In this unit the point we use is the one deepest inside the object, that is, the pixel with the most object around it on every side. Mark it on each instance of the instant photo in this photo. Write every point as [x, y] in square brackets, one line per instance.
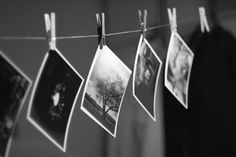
[147, 68]
[53, 98]
[178, 67]
[105, 88]
[14, 88]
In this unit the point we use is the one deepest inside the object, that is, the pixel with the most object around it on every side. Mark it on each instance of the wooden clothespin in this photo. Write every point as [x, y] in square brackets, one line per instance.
[50, 23]
[203, 20]
[172, 19]
[101, 29]
[143, 22]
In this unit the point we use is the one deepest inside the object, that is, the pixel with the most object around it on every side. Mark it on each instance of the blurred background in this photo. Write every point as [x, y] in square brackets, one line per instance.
[206, 129]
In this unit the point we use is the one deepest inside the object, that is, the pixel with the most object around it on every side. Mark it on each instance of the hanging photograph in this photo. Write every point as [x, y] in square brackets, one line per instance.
[105, 88]
[178, 68]
[53, 98]
[14, 88]
[147, 68]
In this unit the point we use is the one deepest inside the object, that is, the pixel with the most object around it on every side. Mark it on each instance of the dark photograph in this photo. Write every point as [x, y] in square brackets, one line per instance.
[145, 79]
[178, 67]
[14, 88]
[53, 98]
[105, 88]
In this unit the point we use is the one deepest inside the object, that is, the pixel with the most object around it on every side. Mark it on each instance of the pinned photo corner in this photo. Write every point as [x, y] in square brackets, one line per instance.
[53, 98]
[178, 68]
[105, 89]
[147, 69]
[14, 88]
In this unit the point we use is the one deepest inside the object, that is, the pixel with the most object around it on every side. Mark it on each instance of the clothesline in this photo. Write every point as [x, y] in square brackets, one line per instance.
[92, 36]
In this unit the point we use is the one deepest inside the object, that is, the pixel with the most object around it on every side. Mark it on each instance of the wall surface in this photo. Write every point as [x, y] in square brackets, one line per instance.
[25, 18]
[85, 137]
[137, 134]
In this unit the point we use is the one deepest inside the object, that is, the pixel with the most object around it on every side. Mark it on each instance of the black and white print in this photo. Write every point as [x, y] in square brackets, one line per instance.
[147, 68]
[53, 98]
[14, 88]
[178, 68]
[105, 88]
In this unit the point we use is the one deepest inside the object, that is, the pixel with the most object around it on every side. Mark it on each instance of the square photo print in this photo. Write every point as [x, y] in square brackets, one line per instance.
[14, 88]
[147, 69]
[105, 88]
[178, 68]
[53, 98]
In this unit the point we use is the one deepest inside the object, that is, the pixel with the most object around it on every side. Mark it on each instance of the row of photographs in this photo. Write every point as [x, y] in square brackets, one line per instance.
[58, 84]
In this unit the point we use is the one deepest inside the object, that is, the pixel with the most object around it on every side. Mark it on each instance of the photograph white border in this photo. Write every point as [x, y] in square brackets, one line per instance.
[22, 102]
[31, 120]
[173, 34]
[105, 48]
[142, 39]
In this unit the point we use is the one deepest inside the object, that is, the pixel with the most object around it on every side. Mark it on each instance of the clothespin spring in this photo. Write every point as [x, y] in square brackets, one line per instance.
[172, 19]
[50, 24]
[143, 22]
[101, 30]
[203, 20]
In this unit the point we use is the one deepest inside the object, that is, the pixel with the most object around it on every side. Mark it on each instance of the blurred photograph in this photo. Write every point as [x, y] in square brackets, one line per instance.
[147, 68]
[53, 98]
[178, 67]
[14, 88]
[105, 88]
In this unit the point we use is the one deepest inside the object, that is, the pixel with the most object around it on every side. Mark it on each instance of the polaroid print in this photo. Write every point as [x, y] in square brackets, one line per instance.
[147, 69]
[178, 68]
[105, 88]
[53, 98]
[14, 88]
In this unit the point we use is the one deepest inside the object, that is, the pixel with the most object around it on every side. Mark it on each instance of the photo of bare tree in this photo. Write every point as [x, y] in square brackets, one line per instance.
[53, 98]
[147, 68]
[178, 68]
[14, 88]
[105, 89]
